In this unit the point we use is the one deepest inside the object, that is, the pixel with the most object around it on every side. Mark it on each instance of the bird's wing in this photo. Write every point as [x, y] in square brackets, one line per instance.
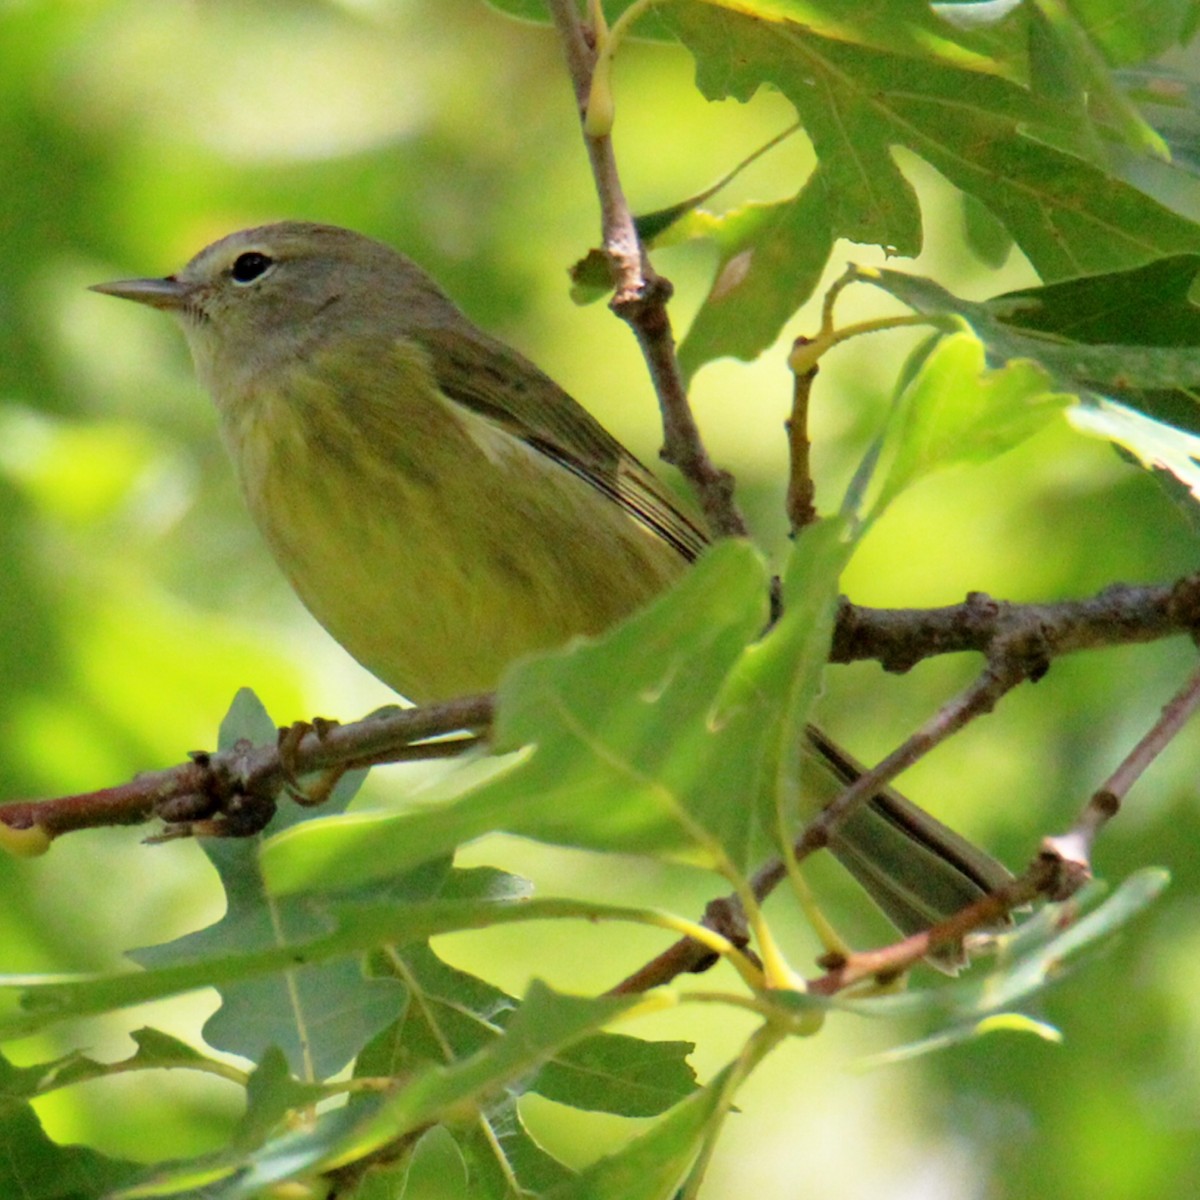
[495, 381]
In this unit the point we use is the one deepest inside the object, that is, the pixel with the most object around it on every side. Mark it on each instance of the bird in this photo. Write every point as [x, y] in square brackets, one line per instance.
[443, 507]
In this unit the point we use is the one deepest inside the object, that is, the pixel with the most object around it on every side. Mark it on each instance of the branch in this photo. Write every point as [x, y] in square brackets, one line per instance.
[898, 638]
[641, 295]
[1010, 662]
[1042, 880]
[1074, 848]
[1020, 641]
[226, 784]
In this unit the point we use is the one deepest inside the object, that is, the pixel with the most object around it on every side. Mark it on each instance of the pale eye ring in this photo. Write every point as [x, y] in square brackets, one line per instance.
[249, 266]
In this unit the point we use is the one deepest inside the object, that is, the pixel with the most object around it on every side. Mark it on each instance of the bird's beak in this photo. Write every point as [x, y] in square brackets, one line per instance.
[168, 293]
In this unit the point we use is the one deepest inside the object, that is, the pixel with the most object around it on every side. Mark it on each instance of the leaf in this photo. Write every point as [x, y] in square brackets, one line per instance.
[453, 1015]
[1119, 332]
[33, 1004]
[544, 1025]
[947, 102]
[958, 1035]
[498, 1149]
[652, 1166]
[319, 1015]
[987, 237]
[33, 1167]
[616, 748]
[1131, 335]
[155, 1051]
[963, 99]
[615, 1073]
[1069, 68]
[1133, 32]
[271, 1095]
[957, 411]
[770, 260]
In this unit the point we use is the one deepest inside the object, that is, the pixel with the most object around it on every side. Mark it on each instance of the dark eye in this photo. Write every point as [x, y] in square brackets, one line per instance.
[249, 266]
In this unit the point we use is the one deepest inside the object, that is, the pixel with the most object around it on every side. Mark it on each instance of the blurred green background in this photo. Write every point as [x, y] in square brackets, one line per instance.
[135, 597]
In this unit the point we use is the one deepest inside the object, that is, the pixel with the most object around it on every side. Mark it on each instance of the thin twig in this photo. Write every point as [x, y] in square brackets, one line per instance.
[1075, 846]
[1008, 665]
[886, 963]
[801, 492]
[640, 294]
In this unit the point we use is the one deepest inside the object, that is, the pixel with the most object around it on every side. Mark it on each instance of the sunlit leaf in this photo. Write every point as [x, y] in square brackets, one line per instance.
[957, 411]
[1131, 335]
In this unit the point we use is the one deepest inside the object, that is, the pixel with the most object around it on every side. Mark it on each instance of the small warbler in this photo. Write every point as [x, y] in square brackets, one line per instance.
[443, 507]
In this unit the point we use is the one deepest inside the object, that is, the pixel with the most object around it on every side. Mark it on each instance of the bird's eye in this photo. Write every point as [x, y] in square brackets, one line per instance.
[249, 266]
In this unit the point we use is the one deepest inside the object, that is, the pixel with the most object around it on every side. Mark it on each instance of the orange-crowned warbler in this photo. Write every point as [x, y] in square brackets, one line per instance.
[443, 507]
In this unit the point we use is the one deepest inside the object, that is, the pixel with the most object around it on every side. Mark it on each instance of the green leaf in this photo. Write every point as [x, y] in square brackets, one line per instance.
[271, 1095]
[956, 411]
[499, 1149]
[32, 1004]
[949, 104]
[1068, 68]
[453, 1015]
[1132, 335]
[959, 97]
[436, 1169]
[616, 747]
[1120, 332]
[771, 258]
[987, 237]
[1135, 30]
[957, 1035]
[652, 1166]
[33, 1167]
[615, 1073]
[155, 1051]
[320, 1015]
[544, 1025]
